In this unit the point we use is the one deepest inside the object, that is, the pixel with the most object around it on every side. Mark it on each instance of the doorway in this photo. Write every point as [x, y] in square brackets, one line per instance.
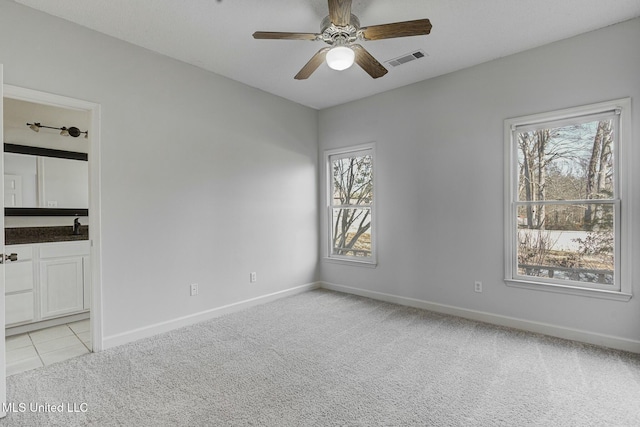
[52, 291]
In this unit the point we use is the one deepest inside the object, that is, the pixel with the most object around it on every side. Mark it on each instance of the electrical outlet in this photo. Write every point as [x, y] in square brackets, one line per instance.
[194, 289]
[477, 286]
[253, 278]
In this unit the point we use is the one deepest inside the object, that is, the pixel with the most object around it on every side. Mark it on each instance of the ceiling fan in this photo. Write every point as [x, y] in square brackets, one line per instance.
[340, 30]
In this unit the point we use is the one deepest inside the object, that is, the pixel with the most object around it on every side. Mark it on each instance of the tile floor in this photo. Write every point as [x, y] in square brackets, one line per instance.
[46, 346]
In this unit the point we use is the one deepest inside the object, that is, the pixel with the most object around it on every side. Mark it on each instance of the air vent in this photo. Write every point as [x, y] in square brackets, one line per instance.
[406, 58]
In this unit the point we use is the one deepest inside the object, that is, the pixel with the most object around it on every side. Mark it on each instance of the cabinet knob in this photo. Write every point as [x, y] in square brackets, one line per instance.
[10, 257]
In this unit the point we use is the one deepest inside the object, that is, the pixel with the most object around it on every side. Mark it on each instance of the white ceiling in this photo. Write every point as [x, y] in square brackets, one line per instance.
[217, 35]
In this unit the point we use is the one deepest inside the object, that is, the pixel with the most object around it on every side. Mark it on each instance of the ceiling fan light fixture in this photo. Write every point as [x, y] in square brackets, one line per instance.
[340, 58]
[341, 30]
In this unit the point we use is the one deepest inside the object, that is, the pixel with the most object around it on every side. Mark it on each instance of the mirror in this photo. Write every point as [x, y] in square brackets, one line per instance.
[45, 182]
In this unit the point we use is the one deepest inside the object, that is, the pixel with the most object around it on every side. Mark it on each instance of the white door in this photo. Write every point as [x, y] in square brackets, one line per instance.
[3, 362]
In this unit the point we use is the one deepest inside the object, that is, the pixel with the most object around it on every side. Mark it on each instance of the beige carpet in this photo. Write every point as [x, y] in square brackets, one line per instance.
[329, 359]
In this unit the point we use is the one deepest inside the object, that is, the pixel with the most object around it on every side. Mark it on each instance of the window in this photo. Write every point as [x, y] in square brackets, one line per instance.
[566, 206]
[350, 207]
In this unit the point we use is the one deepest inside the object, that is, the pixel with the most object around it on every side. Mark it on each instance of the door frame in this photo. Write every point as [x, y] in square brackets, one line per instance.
[38, 97]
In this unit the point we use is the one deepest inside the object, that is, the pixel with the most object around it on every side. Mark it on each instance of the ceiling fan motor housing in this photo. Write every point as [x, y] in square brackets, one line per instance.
[338, 36]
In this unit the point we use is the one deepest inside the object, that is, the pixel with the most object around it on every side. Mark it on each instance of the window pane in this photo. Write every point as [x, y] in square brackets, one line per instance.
[352, 180]
[572, 162]
[351, 235]
[575, 242]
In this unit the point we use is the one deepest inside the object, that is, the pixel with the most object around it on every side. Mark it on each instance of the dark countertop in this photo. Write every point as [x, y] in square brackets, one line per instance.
[25, 235]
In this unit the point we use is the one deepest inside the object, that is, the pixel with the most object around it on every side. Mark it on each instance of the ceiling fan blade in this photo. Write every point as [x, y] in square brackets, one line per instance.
[418, 27]
[340, 12]
[313, 64]
[368, 63]
[284, 36]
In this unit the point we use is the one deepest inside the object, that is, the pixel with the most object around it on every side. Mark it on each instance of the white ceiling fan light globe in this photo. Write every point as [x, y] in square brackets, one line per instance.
[340, 58]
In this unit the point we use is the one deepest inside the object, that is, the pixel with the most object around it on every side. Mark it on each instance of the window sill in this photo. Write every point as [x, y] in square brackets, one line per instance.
[569, 290]
[353, 263]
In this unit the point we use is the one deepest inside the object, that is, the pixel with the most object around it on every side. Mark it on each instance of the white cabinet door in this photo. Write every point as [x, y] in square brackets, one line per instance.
[61, 286]
[19, 285]
[19, 308]
[19, 274]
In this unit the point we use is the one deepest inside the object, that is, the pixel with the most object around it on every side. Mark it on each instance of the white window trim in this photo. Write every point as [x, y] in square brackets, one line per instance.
[327, 172]
[623, 163]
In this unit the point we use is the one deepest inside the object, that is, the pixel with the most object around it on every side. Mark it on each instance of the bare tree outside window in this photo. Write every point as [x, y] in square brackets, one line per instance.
[565, 202]
[351, 205]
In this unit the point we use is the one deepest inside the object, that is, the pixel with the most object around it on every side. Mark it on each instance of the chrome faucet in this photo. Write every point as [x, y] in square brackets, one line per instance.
[76, 226]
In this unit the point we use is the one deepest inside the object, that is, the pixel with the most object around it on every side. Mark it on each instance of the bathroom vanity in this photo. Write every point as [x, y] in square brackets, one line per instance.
[50, 276]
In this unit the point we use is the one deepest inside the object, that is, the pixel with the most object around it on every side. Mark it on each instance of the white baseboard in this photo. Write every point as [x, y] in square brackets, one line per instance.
[158, 328]
[496, 319]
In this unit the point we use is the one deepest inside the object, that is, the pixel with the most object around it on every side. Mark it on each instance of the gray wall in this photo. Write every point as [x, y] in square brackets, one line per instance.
[203, 179]
[440, 177]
